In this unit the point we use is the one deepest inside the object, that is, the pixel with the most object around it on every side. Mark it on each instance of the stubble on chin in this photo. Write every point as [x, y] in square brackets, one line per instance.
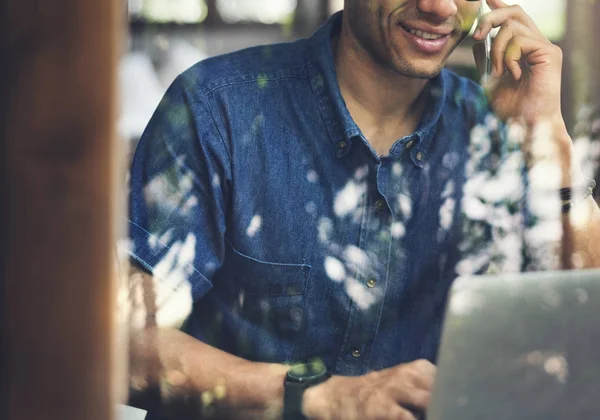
[370, 30]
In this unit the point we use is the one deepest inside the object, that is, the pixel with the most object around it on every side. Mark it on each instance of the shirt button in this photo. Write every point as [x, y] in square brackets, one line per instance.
[342, 145]
[371, 283]
[410, 144]
[356, 353]
[379, 205]
[420, 156]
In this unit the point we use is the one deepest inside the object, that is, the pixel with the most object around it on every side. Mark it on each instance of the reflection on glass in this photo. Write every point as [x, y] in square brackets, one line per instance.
[265, 11]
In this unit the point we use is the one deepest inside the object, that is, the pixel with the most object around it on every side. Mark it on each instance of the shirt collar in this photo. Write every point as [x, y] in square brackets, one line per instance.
[340, 125]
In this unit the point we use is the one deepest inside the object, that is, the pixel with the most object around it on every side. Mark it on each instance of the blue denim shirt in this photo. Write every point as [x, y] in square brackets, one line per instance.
[254, 190]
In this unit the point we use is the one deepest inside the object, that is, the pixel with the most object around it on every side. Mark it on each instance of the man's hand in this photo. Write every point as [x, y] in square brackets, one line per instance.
[394, 393]
[526, 75]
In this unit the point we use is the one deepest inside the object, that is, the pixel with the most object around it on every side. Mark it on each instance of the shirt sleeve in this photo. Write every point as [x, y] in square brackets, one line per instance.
[179, 182]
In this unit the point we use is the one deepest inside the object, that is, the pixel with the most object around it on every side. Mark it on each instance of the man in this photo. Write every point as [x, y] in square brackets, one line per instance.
[306, 196]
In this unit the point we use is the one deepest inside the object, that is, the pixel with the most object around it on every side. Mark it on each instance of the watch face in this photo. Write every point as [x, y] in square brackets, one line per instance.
[307, 372]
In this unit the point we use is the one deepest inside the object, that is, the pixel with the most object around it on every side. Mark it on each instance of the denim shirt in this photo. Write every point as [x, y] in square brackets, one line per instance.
[255, 192]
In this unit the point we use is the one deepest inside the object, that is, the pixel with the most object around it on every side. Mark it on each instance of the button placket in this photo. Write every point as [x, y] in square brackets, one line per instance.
[361, 329]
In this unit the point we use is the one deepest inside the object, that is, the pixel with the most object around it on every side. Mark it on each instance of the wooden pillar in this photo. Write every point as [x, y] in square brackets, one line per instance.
[58, 149]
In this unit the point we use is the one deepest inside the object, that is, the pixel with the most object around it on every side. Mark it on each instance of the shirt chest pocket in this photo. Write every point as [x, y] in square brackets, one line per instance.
[262, 304]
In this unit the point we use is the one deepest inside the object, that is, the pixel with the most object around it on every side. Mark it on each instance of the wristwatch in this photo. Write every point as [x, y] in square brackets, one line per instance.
[299, 378]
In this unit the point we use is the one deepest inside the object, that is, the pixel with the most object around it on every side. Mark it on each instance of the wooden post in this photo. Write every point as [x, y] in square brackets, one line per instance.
[58, 224]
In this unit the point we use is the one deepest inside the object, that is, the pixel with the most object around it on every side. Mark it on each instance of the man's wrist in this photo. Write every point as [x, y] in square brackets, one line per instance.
[314, 401]
[266, 380]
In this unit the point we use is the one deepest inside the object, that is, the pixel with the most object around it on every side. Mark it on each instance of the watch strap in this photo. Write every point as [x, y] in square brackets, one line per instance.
[292, 401]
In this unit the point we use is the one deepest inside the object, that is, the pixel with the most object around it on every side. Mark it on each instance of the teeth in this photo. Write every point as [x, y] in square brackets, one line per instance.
[424, 35]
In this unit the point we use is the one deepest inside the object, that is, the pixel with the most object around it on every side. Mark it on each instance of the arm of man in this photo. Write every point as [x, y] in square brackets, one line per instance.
[526, 87]
[582, 222]
[194, 380]
[190, 379]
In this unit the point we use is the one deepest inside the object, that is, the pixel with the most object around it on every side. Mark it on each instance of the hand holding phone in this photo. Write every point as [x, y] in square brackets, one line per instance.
[521, 68]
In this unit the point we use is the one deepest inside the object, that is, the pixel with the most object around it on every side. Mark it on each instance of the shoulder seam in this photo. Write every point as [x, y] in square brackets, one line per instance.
[254, 80]
[206, 105]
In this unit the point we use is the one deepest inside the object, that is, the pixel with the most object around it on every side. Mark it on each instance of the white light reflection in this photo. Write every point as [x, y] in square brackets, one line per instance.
[552, 363]
[447, 214]
[465, 302]
[359, 294]
[171, 283]
[335, 269]
[398, 230]
[312, 177]
[325, 229]
[255, 225]
[156, 242]
[348, 199]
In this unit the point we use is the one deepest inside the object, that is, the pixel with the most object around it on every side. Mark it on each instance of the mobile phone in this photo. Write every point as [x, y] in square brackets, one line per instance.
[487, 42]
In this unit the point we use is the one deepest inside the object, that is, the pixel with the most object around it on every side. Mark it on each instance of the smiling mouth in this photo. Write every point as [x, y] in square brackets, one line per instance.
[427, 42]
[424, 35]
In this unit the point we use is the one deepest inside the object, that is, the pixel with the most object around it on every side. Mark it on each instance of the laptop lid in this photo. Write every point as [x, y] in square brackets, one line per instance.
[520, 347]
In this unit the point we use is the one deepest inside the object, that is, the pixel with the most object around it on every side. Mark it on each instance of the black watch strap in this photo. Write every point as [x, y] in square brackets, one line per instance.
[292, 401]
[299, 378]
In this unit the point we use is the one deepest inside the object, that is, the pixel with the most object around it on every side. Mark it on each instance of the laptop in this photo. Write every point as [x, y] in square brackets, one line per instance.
[520, 347]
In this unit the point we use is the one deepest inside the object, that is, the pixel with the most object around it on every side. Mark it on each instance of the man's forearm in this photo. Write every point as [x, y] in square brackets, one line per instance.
[186, 378]
[197, 380]
[581, 225]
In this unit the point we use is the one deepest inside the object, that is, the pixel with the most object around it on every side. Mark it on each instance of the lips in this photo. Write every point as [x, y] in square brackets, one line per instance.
[427, 40]
[425, 35]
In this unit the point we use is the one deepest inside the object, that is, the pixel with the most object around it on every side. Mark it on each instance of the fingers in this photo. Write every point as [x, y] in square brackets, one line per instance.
[501, 44]
[414, 383]
[399, 413]
[532, 52]
[519, 42]
[414, 398]
[384, 409]
[398, 393]
[427, 372]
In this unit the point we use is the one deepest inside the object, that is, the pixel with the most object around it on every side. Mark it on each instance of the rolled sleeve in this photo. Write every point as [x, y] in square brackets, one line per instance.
[178, 187]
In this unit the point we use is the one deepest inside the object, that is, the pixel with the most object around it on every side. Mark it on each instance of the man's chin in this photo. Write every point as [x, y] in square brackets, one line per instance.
[421, 72]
